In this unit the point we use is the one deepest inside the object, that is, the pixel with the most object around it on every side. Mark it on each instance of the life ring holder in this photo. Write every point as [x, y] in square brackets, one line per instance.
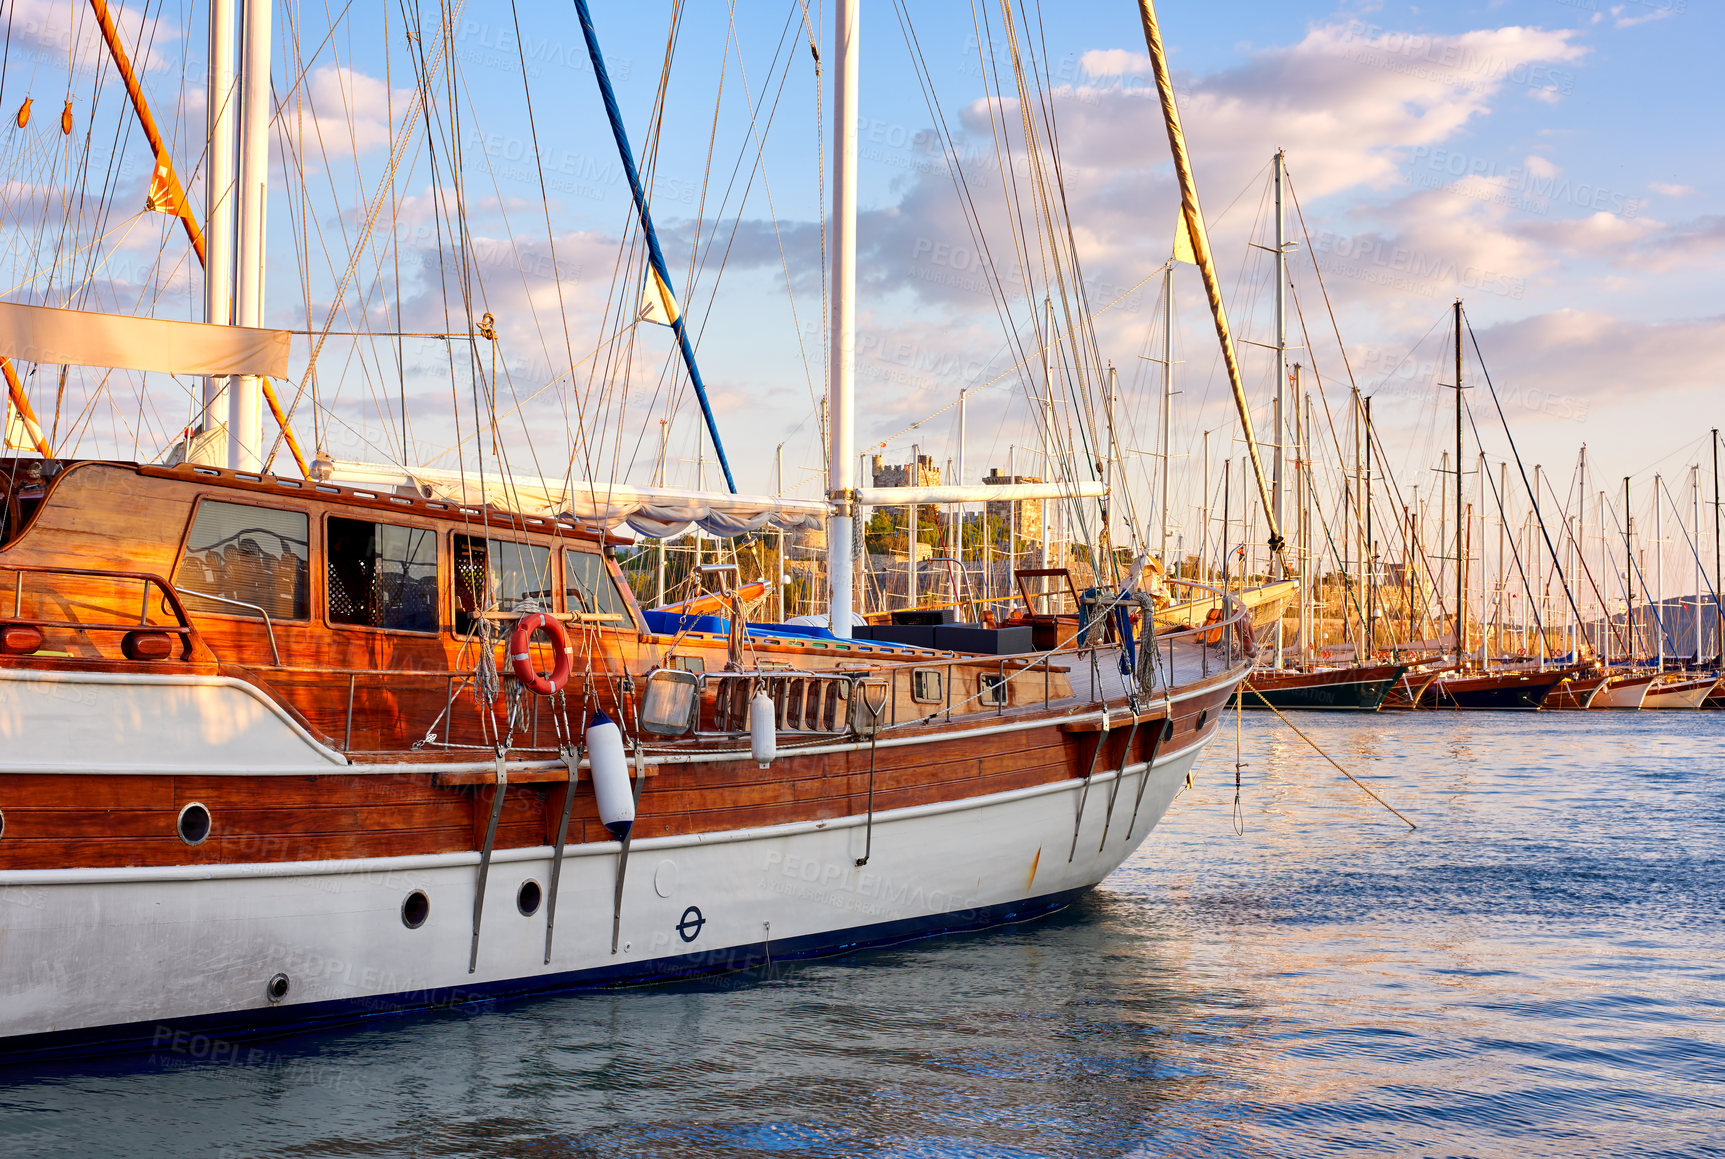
[521, 658]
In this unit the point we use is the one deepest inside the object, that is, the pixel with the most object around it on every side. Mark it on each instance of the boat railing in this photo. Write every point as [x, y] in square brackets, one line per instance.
[86, 602]
[829, 703]
[811, 702]
[269, 625]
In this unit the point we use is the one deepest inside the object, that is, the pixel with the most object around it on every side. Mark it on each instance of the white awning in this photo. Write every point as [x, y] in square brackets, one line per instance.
[657, 512]
[977, 493]
[121, 342]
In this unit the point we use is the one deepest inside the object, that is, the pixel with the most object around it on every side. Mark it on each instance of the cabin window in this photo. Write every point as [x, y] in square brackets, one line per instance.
[991, 689]
[493, 575]
[925, 685]
[18, 507]
[380, 575]
[590, 590]
[245, 558]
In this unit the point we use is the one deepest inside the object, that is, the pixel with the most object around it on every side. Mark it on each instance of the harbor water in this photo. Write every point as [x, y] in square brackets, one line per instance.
[1538, 969]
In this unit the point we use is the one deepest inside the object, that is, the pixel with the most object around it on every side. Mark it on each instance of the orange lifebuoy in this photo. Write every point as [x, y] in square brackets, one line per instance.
[1248, 644]
[521, 659]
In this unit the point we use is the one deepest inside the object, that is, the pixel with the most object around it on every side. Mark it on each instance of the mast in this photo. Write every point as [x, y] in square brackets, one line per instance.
[1227, 481]
[1302, 515]
[1657, 596]
[664, 435]
[1204, 534]
[958, 508]
[915, 480]
[1278, 424]
[1581, 544]
[1047, 429]
[1484, 575]
[1359, 526]
[1502, 554]
[1695, 538]
[1538, 565]
[245, 410]
[1167, 396]
[1628, 566]
[779, 491]
[1608, 618]
[218, 198]
[1460, 518]
[1571, 614]
[841, 479]
[1370, 556]
[1718, 575]
[1411, 521]
[1109, 474]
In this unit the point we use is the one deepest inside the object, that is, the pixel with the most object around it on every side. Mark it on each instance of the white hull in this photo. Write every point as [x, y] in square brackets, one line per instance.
[1679, 693]
[1620, 696]
[83, 950]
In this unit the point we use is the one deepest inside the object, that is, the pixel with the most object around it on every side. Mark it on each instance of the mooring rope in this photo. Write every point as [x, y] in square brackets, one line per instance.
[1329, 758]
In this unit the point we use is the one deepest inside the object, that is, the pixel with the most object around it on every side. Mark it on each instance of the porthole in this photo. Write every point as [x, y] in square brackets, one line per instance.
[925, 685]
[2, 824]
[194, 824]
[1203, 716]
[415, 909]
[276, 988]
[528, 897]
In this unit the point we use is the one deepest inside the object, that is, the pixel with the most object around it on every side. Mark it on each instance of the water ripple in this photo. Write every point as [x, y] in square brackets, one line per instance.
[1536, 971]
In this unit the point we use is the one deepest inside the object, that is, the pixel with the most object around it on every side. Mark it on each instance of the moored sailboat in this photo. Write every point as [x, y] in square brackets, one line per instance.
[288, 752]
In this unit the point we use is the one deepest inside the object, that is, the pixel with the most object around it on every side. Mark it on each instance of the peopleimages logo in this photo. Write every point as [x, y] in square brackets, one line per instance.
[1519, 184]
[1406, 268]
[1447, 59]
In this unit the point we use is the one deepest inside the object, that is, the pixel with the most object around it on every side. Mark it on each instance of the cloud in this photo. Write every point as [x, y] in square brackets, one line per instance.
[346, 113]
[1665, 190]
[1625, 16]
[1617, 360]
[1605, 235]
[1350, 102]
[1696, 243]
[63, 30]
[1107, 62]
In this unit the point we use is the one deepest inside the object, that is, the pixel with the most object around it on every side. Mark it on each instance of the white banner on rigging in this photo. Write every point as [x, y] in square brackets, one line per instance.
[45, 334]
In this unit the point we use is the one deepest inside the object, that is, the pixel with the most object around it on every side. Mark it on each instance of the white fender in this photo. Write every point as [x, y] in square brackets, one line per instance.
[610, 768]
[763, 729]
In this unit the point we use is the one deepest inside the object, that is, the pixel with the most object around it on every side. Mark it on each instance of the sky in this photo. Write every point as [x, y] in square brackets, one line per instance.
[1554, 164]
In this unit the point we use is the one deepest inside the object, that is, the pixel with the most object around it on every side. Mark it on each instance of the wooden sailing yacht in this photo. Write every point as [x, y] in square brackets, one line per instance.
[283, 752]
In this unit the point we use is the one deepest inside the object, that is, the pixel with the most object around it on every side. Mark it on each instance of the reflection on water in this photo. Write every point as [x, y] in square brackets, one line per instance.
[1535, 971]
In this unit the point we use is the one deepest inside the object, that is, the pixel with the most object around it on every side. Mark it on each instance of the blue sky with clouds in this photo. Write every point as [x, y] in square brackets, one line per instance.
[1547, 162]
[1554, 164]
